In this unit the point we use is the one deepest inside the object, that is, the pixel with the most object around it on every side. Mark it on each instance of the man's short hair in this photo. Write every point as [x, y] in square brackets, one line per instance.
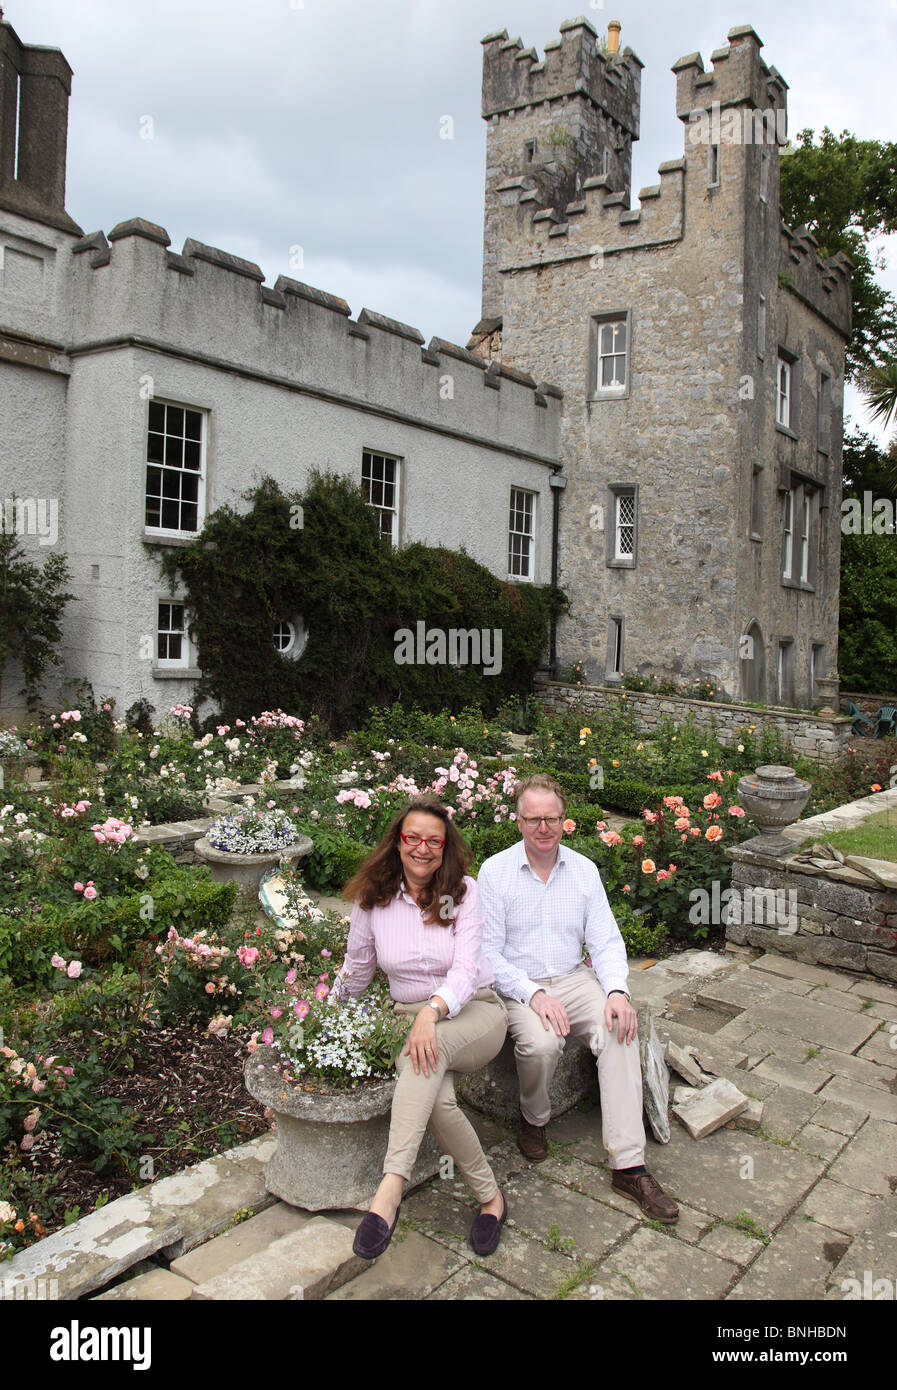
[539, 782]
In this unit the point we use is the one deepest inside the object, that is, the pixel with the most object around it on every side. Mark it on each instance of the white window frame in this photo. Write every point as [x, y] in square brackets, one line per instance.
[600, 324]
[297, 638]
[789, 535]
[526, 551]
[784, 671]
[783, 397]
[615, 647]
[619, 525]
[167, 663]
[806, 521]
[380, 507]
[159, 530]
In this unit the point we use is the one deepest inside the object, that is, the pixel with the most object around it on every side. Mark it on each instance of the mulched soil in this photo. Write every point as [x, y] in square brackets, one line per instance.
[184, 1085]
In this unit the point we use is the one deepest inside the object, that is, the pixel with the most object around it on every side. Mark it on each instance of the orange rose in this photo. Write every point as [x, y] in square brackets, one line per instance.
[648, 866]
[714, 833]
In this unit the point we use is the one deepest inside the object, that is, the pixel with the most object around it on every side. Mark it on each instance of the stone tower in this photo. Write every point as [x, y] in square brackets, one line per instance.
[552, 125]
[699, 344]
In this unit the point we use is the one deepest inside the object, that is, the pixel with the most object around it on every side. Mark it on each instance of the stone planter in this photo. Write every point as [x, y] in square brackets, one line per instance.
[248, 870]
[330, 1146]
[828, 689]
[773, 797]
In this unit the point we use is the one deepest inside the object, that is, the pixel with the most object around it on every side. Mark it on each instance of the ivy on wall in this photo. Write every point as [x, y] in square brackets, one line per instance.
[318, 554]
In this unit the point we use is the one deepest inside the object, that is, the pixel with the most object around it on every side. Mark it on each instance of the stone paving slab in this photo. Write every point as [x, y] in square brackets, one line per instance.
[839, 1207]
[734, 992]
[873, 989]
[860, 1069]
[697, 964]
[800, 970]
[806, 1076]
[657, 1263]
[248, 1238]
[739, 1247]
[156, 1286]
[873, 1249]
[881, 1047]
[596, 1184]
[306, 1265]
[881, 1104]
[819, 1142]
[869, 1163]
[844, 1119]
[472, 1283]
[529, 1266]
[714, 1175]
[412, 1267]
[537, 1207]
[815, 1023]
[786, 1111]
[841, 999]
[795, 1266]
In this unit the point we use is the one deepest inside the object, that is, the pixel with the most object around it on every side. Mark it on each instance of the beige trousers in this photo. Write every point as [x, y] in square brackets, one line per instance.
[465, 1043]
[538, 1050]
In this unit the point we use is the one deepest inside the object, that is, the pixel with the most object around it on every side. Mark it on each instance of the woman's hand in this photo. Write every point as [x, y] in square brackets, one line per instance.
[422, 1047]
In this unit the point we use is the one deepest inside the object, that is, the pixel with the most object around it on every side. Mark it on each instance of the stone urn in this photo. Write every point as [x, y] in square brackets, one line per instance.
[248, 870]
[330, 1144]
[773, 798]
[828, 689]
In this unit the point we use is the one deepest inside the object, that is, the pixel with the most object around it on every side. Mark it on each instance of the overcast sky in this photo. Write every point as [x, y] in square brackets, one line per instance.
[279, 124]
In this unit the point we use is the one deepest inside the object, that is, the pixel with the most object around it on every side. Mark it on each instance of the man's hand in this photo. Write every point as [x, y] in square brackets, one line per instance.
[422, 1047]
[551, 1011]
[619, 1010]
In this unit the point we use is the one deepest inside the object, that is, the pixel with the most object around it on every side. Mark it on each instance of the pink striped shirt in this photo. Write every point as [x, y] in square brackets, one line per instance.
[420, 959]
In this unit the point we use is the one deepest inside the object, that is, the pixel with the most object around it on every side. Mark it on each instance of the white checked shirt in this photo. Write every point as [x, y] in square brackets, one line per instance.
[534, 930]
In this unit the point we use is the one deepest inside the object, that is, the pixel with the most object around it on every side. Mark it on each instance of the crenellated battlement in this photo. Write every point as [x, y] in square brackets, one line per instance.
[824, 285]
[739, 77]
[574, 65]
[131, 291]
[598, 223]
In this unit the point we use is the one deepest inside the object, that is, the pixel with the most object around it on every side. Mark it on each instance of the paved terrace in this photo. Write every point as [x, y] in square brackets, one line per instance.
[791, 1210]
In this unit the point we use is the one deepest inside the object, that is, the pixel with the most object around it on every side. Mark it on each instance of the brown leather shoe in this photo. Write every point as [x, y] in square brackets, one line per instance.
[649, 1194]
[532, 1140]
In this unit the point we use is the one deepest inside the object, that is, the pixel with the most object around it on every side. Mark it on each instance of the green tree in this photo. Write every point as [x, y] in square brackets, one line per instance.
[867, 656]
[845, 191]
[32, 601]
[866, 467]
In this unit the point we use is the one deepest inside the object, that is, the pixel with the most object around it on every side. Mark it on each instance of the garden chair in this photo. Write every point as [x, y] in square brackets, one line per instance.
[861, 721]
[885, 721]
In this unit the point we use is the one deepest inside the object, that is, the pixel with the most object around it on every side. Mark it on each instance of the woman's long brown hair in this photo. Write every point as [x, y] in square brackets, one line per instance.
[378, 878]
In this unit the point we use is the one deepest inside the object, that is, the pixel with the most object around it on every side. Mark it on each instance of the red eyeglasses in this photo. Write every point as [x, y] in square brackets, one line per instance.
[412, 841]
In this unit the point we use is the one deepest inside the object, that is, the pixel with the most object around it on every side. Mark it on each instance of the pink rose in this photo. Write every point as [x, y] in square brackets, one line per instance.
[90, 893]
[57, 962]
[321, 992]
[210, 988]
[74, 970]
[268, 1035]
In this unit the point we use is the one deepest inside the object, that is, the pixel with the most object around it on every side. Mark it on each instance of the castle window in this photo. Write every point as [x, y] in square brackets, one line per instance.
[713, 166]
[529, 151]
[623, 535]
[605, 163]
[783, 393]
[172, 645]
[761, 326]
[614, 647]
[521, 535]
[757, 503]
[798, 558]
[764, 175]
[824, 413]
[380, 482]
[609, 339]
[175, 468]
[785, 672]
[817, 660]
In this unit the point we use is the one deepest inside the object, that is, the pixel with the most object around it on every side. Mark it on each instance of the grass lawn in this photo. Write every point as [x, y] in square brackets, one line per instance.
[876, 838]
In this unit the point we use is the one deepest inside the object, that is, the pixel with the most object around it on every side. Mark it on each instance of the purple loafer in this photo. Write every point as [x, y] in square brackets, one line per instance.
[373, 1235]
[485, 1233]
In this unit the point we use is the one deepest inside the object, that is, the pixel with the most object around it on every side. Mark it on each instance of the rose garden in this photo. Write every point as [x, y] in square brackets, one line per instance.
[133, 986]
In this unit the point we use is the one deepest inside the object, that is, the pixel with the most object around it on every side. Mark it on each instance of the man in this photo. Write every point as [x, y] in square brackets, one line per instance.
[541, 903]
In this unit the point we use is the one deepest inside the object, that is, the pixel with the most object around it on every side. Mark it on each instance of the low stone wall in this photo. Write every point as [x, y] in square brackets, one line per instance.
[808, 733]
[837, 916]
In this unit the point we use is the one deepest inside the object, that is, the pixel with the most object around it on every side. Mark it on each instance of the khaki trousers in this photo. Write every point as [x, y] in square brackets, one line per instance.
[538, 1051]
[465, 1043]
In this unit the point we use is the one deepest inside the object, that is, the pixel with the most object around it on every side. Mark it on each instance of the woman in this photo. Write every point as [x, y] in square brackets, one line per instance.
[417, 915]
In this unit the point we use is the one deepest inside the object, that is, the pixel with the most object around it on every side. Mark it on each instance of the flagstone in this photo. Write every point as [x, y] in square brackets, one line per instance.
[844, 1119]
[874, 989]
[731, 1244]
[529, 1266]
[787, 1110]
[412, 1267]
[657, 1264]
[536, 1206]
[869, 1163]
[881, 1104]
[306, 1265]
[248, 1238]
[156, 1286]
[819, 1142]
[771, 964]
[816, 1023]
[873, 1249]
[860, 1068]
[840, 1207]
[803, 1076]
[881, 1047]
[711, 1108]
[470, 1283]
[795, 1266]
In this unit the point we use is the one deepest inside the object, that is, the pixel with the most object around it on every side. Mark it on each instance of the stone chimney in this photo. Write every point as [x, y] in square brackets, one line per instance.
[613, 37]
[35, 83]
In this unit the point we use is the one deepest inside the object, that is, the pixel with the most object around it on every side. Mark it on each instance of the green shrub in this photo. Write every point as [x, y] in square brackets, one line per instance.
[333, 860]
[642, 938]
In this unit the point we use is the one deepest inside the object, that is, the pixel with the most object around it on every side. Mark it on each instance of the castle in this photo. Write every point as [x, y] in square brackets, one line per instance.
[649, 410]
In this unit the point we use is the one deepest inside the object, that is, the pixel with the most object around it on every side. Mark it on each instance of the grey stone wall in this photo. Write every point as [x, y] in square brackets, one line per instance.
[842, 920]
[812, 734]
